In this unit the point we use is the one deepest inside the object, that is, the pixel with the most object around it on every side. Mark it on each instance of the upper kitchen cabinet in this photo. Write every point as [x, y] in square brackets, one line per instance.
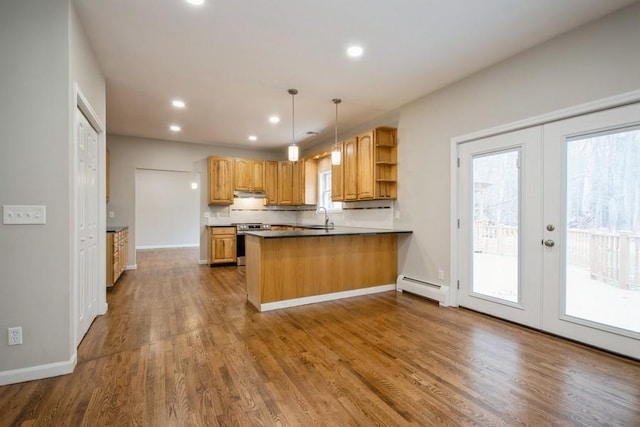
[305, 182]
[285, 183]
[386, 163]
[297, 182]
[249, 175]
[350, 167]
[220, 180]
[337, 177]
[368, 169]
[271, 183]
[365, 161]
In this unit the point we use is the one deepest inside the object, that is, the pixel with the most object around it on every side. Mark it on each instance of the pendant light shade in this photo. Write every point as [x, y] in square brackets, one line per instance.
[293, 152]
[336, 154]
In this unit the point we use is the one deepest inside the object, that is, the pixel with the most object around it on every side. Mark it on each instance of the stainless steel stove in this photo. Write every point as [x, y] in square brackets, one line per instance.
[241, 229]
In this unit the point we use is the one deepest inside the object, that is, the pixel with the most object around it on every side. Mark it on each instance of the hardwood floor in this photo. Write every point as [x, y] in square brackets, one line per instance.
[181, 346]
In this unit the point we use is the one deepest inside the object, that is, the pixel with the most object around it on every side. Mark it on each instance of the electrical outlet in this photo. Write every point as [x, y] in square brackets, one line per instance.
[15, 335]
[397, 214]
[112, 214]
[441, 274]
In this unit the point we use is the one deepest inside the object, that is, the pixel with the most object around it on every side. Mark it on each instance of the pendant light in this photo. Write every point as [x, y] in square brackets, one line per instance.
[293, 148]
[336, 154]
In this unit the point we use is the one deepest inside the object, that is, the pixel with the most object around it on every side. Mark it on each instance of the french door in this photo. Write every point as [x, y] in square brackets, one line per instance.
[554, 242]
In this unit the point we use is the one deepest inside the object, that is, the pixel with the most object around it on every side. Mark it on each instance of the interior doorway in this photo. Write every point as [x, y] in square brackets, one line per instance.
[167, 205]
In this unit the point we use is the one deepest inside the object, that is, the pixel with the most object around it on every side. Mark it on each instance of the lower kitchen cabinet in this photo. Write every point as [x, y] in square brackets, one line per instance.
[117, 253]
[222, 245]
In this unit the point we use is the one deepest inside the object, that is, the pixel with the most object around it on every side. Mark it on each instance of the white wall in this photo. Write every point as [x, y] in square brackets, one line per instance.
[167, 209]
[129, 154]
[593, 62]
[37, 46]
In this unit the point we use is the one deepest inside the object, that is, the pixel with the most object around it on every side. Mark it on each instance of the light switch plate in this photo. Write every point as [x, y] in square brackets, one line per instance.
[19, 214]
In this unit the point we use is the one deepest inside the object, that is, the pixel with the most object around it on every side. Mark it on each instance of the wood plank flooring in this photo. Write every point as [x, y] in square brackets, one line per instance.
[181, 346]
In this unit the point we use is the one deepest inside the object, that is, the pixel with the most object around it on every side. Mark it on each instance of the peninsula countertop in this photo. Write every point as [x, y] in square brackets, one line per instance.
[322, 232]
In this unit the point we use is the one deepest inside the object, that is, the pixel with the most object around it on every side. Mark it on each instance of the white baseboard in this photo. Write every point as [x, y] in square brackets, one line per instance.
[38, 372]
[131, 267]
[326, 297]
[167, 246]
[203, 261]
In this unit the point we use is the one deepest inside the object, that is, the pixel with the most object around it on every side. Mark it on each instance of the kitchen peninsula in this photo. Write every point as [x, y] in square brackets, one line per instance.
[291, 268]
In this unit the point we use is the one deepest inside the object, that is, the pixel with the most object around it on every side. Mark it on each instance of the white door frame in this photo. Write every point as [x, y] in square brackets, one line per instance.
[590, 107]
[80, 102]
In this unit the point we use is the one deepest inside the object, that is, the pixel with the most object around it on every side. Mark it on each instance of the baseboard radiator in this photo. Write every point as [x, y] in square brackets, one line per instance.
[432, 291]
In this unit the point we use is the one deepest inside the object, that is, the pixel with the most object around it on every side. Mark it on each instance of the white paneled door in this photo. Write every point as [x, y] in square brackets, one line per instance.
[549, 230]
[87, 214]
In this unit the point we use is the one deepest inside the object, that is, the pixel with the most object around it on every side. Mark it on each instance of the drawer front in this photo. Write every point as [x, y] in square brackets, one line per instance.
[220, 231]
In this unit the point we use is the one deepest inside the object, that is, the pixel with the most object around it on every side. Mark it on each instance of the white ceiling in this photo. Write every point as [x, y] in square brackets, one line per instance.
[232, 61]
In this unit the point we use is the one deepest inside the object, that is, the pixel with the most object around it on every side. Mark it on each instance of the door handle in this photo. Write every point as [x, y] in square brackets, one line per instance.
[549, 243]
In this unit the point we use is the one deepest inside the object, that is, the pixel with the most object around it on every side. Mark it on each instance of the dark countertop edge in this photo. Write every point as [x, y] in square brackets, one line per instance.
[116, 228]
[220, 225]
[338, 231]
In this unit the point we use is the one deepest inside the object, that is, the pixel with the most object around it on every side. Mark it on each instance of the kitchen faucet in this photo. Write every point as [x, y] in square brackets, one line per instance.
[326, 216]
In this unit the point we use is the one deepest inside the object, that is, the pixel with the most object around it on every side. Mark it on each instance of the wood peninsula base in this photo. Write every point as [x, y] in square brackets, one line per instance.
[291, 271]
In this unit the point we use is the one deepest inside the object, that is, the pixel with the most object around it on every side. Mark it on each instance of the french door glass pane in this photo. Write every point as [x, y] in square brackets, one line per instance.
[496, 184]
[603, 229]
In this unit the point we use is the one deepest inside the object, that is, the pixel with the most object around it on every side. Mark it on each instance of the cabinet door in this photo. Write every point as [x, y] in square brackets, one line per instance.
[110, 259]
[365, 186]
[242, 174]
[350, 169]
[220, 181]
[297, 186]
[285, 183]
[271, 182]
[224, 249]
[257, 175]
[337, 177]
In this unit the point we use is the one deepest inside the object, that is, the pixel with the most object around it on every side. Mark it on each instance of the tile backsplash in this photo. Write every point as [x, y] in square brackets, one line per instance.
[372, 214]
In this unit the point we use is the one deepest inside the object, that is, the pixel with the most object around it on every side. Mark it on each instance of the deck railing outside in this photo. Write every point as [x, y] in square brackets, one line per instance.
[610, 257]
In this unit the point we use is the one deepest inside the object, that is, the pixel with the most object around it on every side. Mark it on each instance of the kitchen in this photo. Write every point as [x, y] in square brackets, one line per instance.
[505, 87]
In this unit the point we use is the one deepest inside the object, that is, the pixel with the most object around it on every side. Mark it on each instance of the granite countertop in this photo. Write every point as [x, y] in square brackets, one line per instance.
[336, 231]
[116, 228]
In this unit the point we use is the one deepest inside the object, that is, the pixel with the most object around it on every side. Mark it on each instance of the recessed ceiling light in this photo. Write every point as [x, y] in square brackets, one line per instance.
[178, 103]
[253, 138]
[274, 119]
[175, 128]
[195, 2]
[354, 51]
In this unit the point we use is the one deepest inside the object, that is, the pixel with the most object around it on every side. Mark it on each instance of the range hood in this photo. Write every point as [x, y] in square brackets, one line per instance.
[249, 194]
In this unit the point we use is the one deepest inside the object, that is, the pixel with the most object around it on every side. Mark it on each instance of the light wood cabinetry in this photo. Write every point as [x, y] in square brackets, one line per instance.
[220, 180]
[271, 182]
[285, 183]
[286, 269]
[117, 254]
[365, 161]
[386, 163]
[222, 245]
[369, 168]
[305, 182]
[337, 177]
[350, 166]
[249, 175]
